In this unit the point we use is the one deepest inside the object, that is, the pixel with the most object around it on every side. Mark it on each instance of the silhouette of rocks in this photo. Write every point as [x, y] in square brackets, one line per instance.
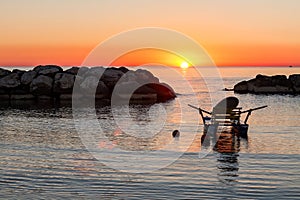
[295, 79]
[72, 70]
[63, 83]
[48, 70]
[10, 81]
[90, 83]
[42, 85]
[164, 91]
[19, 72]
[52, 83]
[27, 77]
[4, 72]
[278, 84]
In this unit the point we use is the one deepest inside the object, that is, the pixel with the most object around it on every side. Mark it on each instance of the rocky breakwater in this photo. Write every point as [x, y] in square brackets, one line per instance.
[278, 84]
[51, 82]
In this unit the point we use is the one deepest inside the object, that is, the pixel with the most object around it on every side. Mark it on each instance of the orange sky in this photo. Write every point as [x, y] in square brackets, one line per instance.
[234, 33]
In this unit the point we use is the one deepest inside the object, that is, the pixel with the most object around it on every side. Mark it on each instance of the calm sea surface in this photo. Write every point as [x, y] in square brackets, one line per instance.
[43, 156]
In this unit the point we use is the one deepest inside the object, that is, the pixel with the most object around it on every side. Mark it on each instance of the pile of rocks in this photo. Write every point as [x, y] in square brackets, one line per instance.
[52, 82]
[278, 84]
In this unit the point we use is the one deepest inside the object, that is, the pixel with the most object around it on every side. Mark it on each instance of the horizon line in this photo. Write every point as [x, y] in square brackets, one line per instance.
[220, 66]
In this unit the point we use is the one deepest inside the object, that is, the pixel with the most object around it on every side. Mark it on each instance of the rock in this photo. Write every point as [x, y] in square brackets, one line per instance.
[144, 76]
[50, 82]
[88, 83]
[145, 90]
[251, 85]
[63, 83]
[41, 85]
[175, 133]
[27, 77]
[241, 87]
[272, 84]
[10, 81]
[281, 80]
[111, 76]
[4, 72]
[263, 81]
[131, 87]
[265, 84]
[48, 70]
[94, 71]
[92, 82]
[81, 71]
[19, 72]
[129, 76]
[72, 70]
[123, 69]
[135, 92]
[295, 80]
[164, 91]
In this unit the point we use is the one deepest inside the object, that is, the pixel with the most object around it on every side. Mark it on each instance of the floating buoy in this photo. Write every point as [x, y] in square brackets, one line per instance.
[176, 133]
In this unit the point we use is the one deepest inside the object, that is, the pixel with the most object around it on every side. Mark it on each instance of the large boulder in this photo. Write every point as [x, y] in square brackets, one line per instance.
[112, 73]
[123, 69]
[94, 71]
[90, 83]
[129, 76]
[10, 81]
[144, 76]
[295, 80]
[48, 70]
[27, 77]
[19, 72]
[4, 72]
[134, 91]
[72, 70]
[63, 83]
[111, 76]
[80, 72]
[41, 85]
[164, 91]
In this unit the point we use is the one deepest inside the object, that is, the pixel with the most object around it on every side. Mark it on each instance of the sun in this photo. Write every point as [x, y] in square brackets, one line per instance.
[184, 65]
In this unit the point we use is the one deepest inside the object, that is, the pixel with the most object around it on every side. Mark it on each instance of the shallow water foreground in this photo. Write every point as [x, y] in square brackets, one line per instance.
[42, 157]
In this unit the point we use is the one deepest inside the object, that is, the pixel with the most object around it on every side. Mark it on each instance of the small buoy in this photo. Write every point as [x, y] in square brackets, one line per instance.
[176, 133]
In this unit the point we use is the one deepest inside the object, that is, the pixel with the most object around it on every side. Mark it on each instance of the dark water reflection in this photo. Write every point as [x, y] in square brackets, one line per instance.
[228, 147]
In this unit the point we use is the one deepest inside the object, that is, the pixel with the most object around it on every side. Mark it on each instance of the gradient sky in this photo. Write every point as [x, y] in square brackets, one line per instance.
[234, 32]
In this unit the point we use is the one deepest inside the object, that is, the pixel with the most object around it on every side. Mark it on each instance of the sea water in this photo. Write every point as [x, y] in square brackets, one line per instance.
[42, 154]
